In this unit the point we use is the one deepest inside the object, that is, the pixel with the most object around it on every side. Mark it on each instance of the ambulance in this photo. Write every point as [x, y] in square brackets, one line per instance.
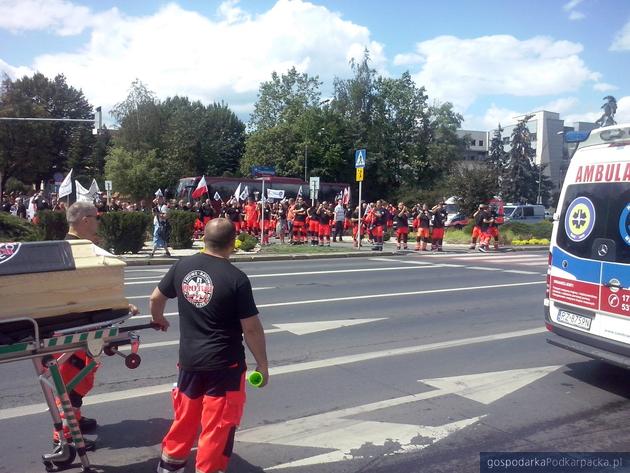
[587, 303]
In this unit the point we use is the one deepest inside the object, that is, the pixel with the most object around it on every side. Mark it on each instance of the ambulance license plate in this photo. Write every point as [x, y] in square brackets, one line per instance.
[573, 319]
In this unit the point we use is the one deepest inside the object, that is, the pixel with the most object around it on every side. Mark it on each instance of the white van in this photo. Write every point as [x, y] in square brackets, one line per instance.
[524, 213]
[587, 305]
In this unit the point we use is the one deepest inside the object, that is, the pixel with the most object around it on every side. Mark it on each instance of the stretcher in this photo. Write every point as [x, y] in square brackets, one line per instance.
[48, 353]
[59, 298]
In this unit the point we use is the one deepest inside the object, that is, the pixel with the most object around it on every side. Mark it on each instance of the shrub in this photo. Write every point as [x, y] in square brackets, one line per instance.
[124, 232]
[52, 225]
[17, 229]
[182, 228]
[248, 242]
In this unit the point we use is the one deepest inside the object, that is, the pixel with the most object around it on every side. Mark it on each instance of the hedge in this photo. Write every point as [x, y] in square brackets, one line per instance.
[123, 232]
[53, 225]
[248, 242]
[17, 229]
[182, 228]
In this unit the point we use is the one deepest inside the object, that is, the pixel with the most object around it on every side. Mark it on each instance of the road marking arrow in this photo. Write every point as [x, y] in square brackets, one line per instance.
[346, 437]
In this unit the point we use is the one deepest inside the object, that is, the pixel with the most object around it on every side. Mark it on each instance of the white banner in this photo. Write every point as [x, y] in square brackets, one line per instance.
[94, 188]
[83, 194]
[275, 194]
[66, 186]
[245, 194]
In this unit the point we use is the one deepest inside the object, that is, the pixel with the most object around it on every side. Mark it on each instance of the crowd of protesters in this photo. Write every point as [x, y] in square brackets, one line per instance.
[293, 221]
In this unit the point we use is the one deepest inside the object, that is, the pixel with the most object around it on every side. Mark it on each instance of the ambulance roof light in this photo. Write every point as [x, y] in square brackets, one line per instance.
[615, 134]
[576, 136]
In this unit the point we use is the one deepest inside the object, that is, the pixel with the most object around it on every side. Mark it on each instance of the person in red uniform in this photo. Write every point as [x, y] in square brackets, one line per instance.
[497, 219]
[401, 222]
[312, 223]
[439, 222]
[299, 222]
[325, 214]
[83, 222]
[485, 220]
[476, 233]
[216, 310]
[379, 220]
[233, 213]
[423, 234]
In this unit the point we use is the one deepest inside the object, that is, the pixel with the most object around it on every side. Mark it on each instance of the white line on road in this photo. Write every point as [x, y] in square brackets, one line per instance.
[400, 294]
[516, 271]
[253, 289]
[378, 296]
[311, 273]
[13, 412]
[483, 268]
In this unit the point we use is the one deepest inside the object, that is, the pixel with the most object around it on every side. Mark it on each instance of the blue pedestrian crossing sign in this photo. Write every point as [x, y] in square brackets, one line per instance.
[359, 158]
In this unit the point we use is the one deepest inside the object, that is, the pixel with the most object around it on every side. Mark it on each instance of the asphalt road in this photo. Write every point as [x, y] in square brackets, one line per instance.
[400, 364]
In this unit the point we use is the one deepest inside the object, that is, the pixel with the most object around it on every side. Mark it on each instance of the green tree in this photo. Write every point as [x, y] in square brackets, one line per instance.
[33, 151]
[224, 141]
[135, 173]
[520, 179]
[139, 118]
[472, 186]
[284, 98]
[497, 157]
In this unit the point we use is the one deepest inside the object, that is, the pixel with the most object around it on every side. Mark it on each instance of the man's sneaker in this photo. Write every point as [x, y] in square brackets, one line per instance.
[87, 425]
[482, 249]
[471, 247]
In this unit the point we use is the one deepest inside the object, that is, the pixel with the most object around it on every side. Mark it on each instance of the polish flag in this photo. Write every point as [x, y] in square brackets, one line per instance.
[346, 196]
[202, 188]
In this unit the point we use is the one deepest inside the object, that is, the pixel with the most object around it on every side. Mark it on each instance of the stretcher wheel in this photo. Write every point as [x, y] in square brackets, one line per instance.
[132, 361]
[110, 350]
[70, 454]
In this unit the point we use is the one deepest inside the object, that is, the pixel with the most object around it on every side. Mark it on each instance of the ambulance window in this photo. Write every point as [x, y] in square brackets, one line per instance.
[528, 211]
[608, 204]
[518, 213]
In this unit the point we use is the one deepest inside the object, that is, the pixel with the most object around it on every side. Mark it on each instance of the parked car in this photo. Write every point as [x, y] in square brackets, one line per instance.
[523, 213]
[457, 221]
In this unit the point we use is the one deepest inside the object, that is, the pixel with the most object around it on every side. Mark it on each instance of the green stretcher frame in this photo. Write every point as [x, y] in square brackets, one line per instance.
[47, 354]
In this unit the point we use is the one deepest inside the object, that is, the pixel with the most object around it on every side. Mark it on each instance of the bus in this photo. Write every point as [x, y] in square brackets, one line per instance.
[226, 186]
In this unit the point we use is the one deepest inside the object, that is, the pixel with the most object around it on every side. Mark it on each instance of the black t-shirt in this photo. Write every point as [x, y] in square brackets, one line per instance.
[379, 217]
[485, 215]
[439, 218]
[213, 296]
[324, 217]
[425, 219]
[401, 221]
[479, 218]
[233, 214]
[300, 213]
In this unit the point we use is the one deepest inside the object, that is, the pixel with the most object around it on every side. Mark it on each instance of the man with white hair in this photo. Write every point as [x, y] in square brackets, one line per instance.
[83, 221]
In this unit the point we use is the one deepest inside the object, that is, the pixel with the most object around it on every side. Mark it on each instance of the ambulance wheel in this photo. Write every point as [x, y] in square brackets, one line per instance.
[110, 350]
[132, 361]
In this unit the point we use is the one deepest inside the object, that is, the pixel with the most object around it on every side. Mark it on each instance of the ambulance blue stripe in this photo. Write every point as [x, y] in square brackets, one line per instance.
[583, 269]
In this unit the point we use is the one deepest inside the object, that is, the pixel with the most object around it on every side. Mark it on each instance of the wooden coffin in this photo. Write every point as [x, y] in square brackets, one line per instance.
[60, 280]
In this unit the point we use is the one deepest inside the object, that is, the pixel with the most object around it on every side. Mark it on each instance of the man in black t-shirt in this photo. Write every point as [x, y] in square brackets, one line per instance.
[216, 309]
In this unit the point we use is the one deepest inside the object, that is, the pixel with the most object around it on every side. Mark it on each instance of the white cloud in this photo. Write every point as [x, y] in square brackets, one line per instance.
[15, 72]
[179, 51]
[622, 39]
[623, 110]
[572, 4]
[576, 15]
[62, 16]
[604, 87]
[407, 59]
[561, 106]
[493, 116]
[460, 70]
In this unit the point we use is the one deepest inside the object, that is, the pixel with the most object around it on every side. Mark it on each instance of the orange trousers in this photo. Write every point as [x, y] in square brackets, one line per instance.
[214, 400]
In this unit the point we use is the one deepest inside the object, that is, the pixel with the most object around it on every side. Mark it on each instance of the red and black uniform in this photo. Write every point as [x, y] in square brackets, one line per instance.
[401, 222]
[424, 225]
[252, 223]
[234, 215]
[439, 222]
[325, 217]
[313, 224]
[484, 226]
[476, 232]
[299, 223]
[267, 225]
[354, 218]
[379, 220]
[213, 296]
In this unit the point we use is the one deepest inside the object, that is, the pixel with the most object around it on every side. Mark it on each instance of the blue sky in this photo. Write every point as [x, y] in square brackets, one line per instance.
[492, 59]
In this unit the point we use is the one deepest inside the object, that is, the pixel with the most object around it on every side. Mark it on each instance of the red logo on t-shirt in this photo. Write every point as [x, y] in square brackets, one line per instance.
[8, 251]
[197, 288]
